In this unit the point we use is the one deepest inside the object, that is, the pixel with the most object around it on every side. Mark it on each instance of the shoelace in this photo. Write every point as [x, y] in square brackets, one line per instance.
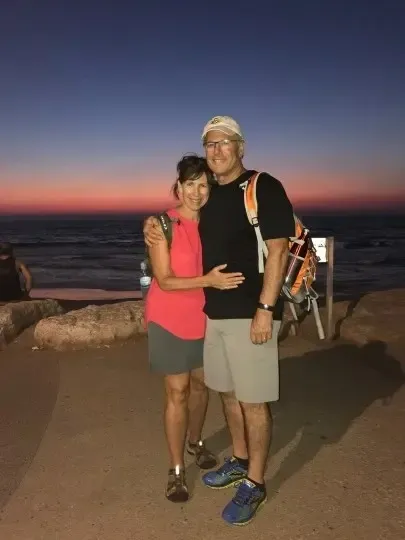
[244, 495]
[227, 466]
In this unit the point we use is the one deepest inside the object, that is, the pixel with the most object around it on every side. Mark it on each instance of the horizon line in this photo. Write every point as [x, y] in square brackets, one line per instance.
[332, 210]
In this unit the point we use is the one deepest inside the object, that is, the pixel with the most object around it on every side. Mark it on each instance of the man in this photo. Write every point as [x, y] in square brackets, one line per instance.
[241, 349]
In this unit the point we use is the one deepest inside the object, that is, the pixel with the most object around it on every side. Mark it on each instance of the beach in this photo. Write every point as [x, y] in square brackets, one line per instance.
[114, 113]
[84, 456]
[83, 450]
[79, 298]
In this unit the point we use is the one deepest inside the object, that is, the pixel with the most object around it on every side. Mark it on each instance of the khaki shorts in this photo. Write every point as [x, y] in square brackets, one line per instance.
[233, 363]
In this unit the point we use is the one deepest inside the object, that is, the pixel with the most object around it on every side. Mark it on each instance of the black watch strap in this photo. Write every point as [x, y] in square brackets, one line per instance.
[267, 307]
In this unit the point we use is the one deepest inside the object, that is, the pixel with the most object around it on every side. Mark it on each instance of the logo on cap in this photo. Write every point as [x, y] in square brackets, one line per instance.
[216, 120]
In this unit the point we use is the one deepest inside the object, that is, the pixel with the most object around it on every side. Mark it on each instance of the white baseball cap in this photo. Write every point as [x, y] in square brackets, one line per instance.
[226, 124]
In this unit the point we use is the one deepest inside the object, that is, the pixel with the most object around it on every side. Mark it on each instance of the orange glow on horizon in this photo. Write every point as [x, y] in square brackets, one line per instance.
[124, 193]
[75, 205]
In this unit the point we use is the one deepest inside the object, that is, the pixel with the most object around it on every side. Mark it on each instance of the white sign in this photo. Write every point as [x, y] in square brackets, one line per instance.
[320, 247]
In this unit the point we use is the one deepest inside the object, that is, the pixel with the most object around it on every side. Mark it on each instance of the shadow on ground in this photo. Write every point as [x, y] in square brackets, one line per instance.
[28, 390]
[349, 312]
[322, 393]
[288, 325]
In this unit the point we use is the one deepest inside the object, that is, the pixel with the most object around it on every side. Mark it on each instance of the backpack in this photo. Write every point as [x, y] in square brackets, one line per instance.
[301, 270]
[166, 223]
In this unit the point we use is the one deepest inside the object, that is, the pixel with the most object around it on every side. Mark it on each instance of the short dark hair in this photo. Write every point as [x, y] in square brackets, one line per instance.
[192, 167]
[6, 248]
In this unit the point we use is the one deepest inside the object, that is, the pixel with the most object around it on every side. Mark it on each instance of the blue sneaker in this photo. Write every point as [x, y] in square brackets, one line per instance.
[243, 507]
[229, 474]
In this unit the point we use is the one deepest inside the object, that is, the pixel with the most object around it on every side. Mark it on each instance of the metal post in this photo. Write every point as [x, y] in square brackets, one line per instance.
[317, 318]
[330, 243]
[294, 324]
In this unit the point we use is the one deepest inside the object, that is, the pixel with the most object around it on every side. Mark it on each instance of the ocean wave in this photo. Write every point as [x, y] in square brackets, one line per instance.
[368, 243]
[394, 260]
[62, 243]
[389, 260]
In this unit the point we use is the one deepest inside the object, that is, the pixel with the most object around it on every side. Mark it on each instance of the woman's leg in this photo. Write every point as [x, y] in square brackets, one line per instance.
[198, 404]
[176, 416]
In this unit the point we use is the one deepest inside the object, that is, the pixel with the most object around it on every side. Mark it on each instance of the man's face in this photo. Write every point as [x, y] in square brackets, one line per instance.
[223, 152]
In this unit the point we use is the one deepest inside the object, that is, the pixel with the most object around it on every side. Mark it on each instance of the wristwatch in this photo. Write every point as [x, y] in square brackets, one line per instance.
[267, 307]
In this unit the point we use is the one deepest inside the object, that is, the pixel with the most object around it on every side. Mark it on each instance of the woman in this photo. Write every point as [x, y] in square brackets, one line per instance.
[11, 289]
[176, 322]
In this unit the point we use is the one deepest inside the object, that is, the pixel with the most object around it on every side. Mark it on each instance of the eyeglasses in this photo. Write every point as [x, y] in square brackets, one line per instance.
[225, 143]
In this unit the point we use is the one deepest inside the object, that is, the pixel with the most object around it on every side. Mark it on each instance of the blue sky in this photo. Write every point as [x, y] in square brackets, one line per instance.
[99, 100]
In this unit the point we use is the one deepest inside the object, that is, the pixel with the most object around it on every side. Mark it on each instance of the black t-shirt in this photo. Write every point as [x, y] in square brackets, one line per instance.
[228, 237]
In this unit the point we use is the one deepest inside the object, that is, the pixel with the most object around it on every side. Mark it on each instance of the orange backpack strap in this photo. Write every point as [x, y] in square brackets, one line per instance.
[251, 199]
[252, 210]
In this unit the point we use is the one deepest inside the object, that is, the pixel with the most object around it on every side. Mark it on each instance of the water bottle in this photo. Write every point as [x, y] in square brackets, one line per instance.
[145, 279]
[296, 257]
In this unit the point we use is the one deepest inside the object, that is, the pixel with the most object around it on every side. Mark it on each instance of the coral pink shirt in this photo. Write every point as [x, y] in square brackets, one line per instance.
[180, 312]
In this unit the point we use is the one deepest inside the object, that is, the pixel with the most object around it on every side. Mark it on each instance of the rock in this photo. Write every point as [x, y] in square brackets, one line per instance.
[16, 316]
[376, 316]
[92, 326]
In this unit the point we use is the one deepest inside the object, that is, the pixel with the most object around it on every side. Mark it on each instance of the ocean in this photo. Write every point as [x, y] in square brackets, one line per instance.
[104, 252]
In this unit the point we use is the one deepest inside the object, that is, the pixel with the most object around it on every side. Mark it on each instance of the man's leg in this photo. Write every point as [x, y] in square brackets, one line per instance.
[218, 378]
[258, 427]
[236, 423]
[255, 373]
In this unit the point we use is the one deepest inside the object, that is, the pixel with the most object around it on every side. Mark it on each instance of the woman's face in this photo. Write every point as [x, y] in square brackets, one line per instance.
[194, 193]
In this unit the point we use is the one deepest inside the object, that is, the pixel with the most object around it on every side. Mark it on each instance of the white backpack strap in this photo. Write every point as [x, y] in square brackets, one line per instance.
[252, 210]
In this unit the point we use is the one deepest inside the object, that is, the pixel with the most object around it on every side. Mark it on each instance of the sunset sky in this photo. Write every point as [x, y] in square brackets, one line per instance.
[99, 100]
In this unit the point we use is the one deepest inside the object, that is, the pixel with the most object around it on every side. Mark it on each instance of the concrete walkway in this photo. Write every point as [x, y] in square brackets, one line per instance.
[83, 455]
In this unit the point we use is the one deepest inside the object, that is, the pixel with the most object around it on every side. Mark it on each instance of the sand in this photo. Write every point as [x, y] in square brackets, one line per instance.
[86, 295]
[83, 454]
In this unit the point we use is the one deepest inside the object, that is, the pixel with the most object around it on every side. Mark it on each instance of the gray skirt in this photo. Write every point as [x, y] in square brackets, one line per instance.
[171, 355]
